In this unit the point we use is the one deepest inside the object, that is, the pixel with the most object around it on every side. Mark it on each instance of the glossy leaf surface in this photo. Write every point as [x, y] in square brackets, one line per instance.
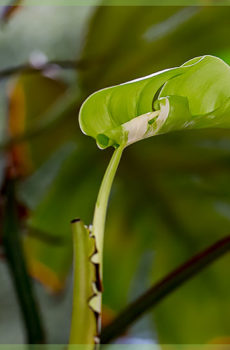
[195, 95]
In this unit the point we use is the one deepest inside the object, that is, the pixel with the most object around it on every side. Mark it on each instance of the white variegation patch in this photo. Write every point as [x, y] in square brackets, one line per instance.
[139, 127]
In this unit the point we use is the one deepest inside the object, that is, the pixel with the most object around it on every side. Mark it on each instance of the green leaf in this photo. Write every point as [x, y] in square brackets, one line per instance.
[194, 95]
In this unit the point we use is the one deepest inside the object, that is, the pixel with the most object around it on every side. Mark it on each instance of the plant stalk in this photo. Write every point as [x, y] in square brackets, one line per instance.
[102, 203]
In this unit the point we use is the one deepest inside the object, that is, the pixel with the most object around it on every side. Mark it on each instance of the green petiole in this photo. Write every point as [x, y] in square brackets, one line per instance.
[102, 203]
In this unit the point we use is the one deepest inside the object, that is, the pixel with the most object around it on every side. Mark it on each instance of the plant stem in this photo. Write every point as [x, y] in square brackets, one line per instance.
[86, 318]
[163, 288]
[102, 203]
[17, 266]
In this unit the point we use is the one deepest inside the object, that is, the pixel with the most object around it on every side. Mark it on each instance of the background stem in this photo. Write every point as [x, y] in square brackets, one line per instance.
[17, 266]
[167, 285]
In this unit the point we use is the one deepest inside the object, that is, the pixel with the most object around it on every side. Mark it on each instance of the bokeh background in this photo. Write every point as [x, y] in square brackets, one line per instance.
[171, 196]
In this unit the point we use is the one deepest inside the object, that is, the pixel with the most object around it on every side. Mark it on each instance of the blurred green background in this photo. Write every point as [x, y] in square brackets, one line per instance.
[171, 196]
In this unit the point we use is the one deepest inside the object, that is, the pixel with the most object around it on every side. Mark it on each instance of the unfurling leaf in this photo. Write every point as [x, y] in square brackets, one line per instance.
[192, 96]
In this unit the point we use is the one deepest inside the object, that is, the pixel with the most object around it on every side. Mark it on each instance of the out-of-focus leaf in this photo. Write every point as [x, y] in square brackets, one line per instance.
[148, 39]
[199, 225]
[7, 12]
[30, 97]
[173, 216]
[32, 189]
[121, 43]
[195, 224]
[224, 340]
[31, 192]
[17, 124]
[49, 244]
[3, 123]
